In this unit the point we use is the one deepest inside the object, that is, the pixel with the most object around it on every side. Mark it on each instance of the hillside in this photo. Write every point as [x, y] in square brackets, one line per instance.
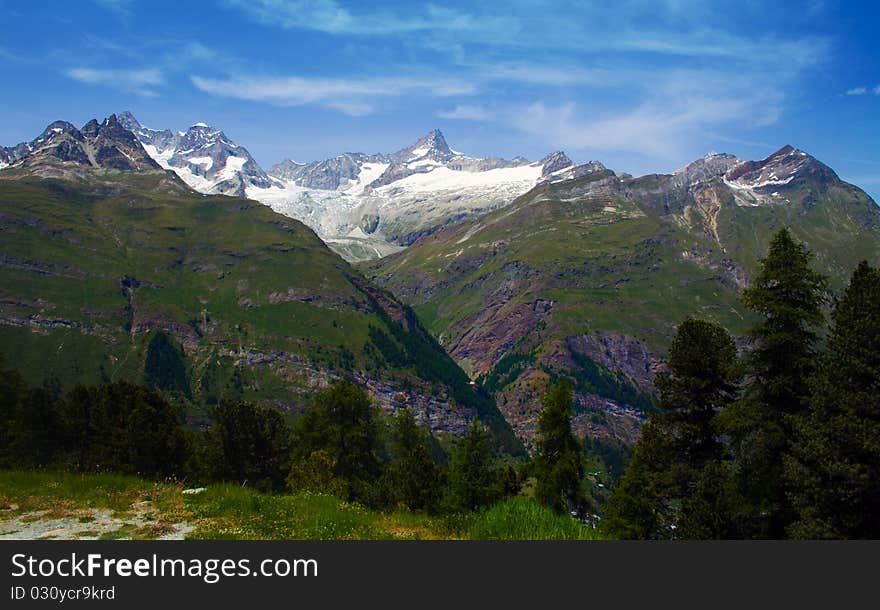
[96, 264]
[587, 278]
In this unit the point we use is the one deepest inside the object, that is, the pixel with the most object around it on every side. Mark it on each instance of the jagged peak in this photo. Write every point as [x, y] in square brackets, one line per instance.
[129, 121]
[554, 162]
[785, 150]
[90, 129]
[777, 169]
[54, 128]
[433, 141]
[713, 164]
[62, 125]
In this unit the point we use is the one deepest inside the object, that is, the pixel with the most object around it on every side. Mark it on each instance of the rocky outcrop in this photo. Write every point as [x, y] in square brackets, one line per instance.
[618, 352]
[62, 148]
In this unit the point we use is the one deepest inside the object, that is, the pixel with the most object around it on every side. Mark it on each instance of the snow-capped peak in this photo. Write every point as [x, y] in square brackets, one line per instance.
[778, 169]
[554, 162]
[432, 145]
[203, 156]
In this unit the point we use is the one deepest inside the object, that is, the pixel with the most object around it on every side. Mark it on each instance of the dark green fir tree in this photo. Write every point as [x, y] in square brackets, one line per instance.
[789, 296]
[677, 485]
[558, 466]
[833, 470]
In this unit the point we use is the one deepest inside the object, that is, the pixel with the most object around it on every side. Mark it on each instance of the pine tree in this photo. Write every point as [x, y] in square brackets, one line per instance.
[641, 505]
[834, 467]
[251, 444]
[558, 463]
[415, 479]
[674, 486]
[789, 296]
[342, 422]
[473, 482]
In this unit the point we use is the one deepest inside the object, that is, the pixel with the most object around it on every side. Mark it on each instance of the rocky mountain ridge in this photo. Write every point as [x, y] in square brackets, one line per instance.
[204, 157]
[363, 205]
[586, 278]
[62, 148]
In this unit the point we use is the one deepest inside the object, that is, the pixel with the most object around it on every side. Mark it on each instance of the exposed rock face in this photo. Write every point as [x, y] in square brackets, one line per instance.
[614, 264]
[486, 336]
[621, 353]
[705, 209]
[62, 146]
[326, 175]
[433, 412]
[555, 162]
[711, 166]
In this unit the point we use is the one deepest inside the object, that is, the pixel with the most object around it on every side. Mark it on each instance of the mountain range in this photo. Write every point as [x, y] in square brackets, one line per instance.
[102, 249]
[364, 206]
[522, 272]
[586, 279]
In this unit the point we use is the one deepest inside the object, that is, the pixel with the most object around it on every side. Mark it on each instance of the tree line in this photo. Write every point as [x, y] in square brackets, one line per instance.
[783, 442]
[340, 445]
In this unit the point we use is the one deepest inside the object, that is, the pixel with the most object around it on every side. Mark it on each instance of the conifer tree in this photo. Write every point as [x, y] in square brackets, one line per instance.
[251, 444]
[342, 422]
[414, 477]
[676, 485]
[834, 467]
[789, 296]
[640, 507]
[473, 482]
[558, 463]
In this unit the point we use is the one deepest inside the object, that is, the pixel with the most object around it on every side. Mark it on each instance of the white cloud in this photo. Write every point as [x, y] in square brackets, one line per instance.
[351, 96]
[556, 74]
[135, 81]
[680, 113]
[857, 91]
[466, 113]
[877, 90]
[327, 16]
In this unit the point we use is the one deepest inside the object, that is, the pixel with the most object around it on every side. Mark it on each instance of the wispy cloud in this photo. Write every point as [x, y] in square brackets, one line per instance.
[8, 55]
[677, 28]
[464, 112]
[351, 96]
[877, 90]
[553, 74]
[857, 91]
[133, 81]
[329, 17]
[680, 113]
[120, 7]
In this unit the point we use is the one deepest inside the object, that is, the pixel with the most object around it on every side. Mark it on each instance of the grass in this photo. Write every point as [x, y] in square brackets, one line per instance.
[220, 274]
[230, 512]
[523, 519]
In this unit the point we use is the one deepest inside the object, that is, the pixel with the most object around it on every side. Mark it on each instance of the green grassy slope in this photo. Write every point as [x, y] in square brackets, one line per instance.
[91, 269]
[144, 509]
[587, 280]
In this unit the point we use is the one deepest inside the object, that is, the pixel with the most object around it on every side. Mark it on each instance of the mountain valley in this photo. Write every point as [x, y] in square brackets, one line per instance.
[524, 272]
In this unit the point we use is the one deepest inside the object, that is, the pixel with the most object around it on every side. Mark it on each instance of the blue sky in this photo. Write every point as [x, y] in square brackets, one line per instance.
[643, 86]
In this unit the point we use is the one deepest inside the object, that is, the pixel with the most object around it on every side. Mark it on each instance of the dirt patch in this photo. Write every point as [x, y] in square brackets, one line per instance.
[90, 524]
